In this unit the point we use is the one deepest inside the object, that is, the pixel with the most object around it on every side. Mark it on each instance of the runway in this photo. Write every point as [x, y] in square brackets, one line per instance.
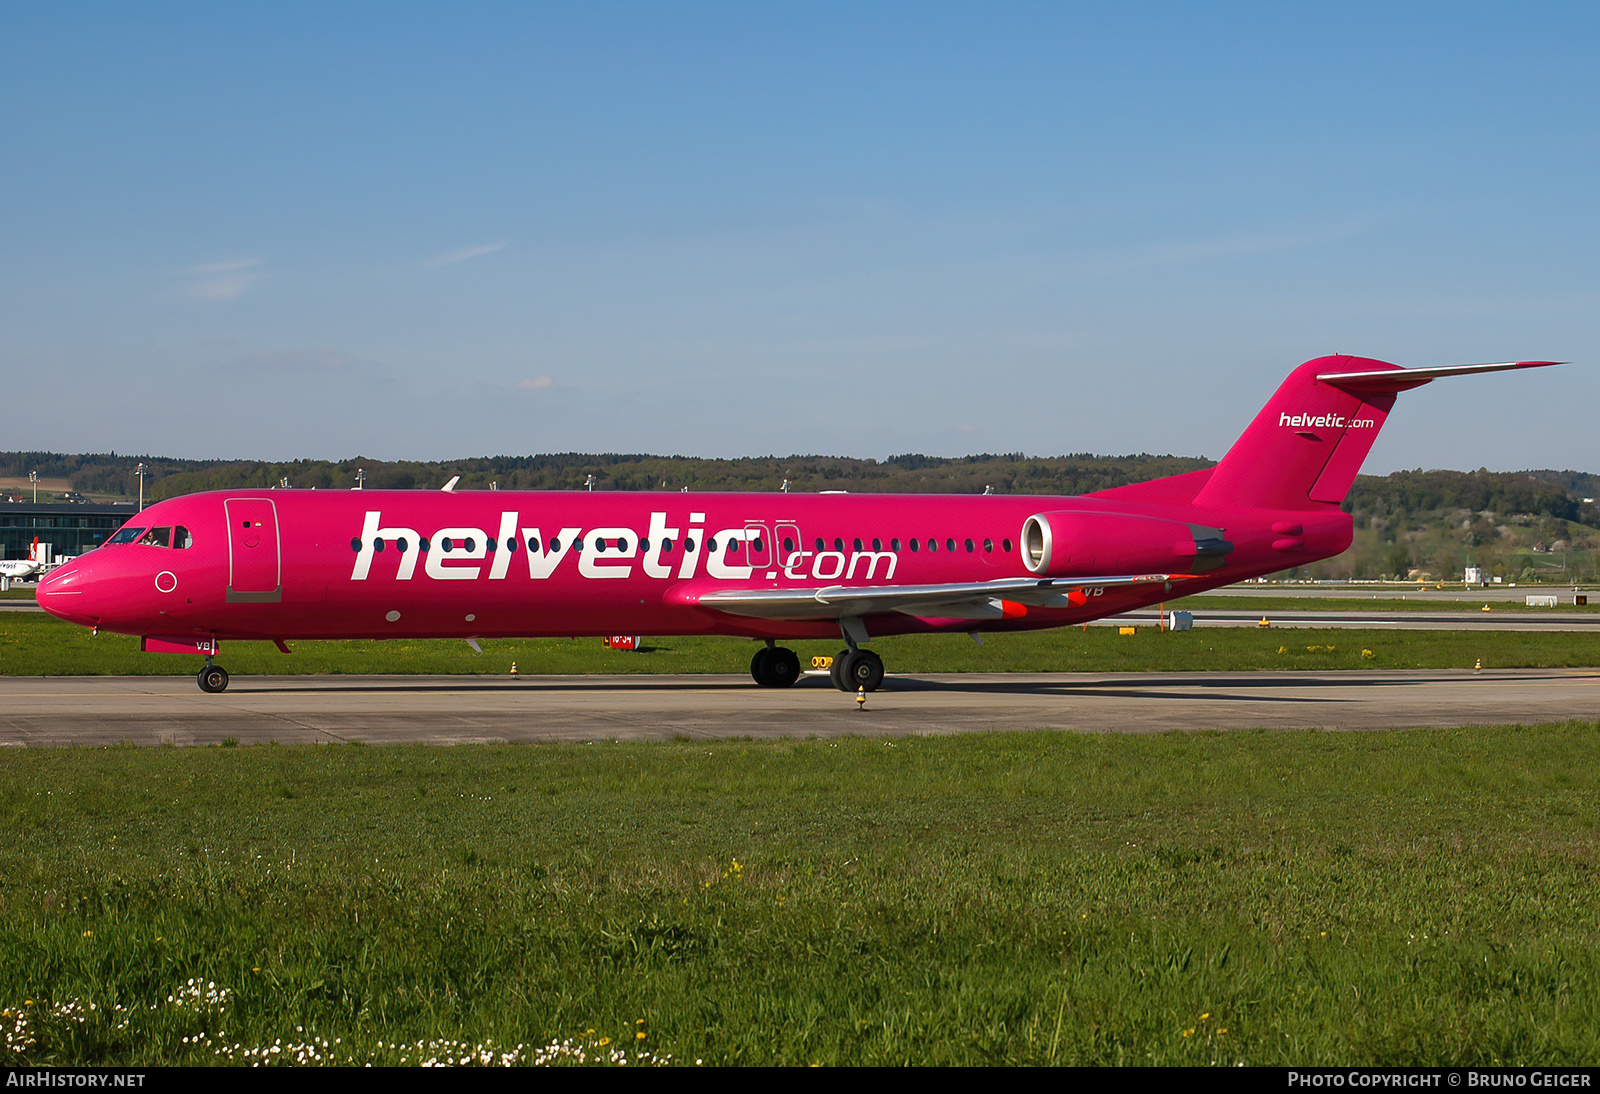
[1375, 619]
[170, 710]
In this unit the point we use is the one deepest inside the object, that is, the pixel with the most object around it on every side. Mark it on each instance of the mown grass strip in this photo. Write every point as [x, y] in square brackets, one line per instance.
[36, 645]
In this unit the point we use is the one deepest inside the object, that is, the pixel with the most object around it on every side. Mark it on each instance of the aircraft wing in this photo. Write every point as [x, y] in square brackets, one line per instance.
[960, 600]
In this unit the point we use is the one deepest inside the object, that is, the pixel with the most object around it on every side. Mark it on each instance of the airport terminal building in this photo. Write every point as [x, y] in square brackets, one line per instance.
[68, 529]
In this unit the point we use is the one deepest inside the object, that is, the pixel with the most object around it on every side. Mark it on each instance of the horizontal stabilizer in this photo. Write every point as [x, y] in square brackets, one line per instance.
[1404, 379]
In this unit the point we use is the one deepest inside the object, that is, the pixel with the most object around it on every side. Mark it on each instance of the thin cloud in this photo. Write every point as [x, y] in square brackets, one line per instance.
[312, 360]
[463, 254]
[536, 383]
[223, 280]
[1230, 246]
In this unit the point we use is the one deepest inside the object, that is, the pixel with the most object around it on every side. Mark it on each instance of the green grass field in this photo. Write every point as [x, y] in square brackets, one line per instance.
[1420, 897]
[37, 645]
[1415, 897]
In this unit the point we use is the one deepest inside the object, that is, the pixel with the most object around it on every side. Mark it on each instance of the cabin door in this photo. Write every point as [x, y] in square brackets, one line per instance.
[255, 553]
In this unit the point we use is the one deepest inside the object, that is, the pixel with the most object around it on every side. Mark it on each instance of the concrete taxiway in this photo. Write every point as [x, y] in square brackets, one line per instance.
[101, 711]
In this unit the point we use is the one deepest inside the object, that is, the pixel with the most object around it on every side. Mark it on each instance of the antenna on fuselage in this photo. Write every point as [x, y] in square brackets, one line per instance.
[450, 487]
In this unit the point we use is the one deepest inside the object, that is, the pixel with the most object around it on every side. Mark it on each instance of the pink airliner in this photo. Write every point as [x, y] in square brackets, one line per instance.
[274, 565]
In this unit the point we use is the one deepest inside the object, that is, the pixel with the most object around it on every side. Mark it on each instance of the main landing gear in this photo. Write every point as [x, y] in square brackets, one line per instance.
[212, 678]
[774, 666]
[857, 670]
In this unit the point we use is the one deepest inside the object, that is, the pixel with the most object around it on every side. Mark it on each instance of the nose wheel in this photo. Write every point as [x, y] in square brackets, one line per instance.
[212, 679]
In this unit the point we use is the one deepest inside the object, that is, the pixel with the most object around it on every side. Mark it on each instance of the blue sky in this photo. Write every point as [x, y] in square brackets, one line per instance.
[429, 231]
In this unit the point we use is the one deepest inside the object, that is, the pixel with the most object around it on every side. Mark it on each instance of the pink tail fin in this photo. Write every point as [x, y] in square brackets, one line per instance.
[1305, 447]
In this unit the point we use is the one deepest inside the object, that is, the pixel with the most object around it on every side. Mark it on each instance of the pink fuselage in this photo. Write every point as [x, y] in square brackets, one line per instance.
[302, 564]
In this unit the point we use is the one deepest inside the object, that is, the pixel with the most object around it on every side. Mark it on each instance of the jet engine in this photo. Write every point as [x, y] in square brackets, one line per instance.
[1079, 543]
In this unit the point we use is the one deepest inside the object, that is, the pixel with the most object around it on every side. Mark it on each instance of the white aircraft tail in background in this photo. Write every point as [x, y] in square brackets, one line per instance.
[19, 568]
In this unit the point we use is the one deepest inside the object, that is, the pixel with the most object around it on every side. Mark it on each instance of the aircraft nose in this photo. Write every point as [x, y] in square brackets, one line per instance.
[64, 594]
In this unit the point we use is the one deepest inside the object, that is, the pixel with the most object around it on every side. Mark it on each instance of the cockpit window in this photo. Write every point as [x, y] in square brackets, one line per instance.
[126, 535]
[157, 537]
[181, 537]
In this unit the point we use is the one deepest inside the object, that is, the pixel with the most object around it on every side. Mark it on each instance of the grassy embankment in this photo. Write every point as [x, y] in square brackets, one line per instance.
[1261, 898]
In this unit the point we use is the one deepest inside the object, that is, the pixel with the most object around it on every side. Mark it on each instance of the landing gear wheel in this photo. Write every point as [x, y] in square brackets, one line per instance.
[836, 670]
[212, 679]
[858, 670]
[783, 667]
[775, 667]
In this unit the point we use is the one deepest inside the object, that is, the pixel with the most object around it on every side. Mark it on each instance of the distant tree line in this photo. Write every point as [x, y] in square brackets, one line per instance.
[1392, 499]
[1500, 494]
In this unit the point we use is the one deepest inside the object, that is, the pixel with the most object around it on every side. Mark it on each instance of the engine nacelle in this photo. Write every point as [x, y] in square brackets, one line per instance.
[1075, 543]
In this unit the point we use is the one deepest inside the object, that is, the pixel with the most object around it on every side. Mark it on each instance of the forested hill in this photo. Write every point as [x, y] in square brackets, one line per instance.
[112, 476]
[1526, 524]
[1555, 494]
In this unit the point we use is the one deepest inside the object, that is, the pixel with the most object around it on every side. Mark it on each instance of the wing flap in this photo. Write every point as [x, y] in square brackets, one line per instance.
[960, 600]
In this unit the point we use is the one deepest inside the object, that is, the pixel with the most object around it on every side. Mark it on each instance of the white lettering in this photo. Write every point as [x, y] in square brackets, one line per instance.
[464, 545]
[717, 561]
[1324, 421]
[816, 567]
[691, 545]
[659, 533]
[542, 563]
[371, 533]
[458, 554]
[619, 544]
[872, 558]
[503, 546]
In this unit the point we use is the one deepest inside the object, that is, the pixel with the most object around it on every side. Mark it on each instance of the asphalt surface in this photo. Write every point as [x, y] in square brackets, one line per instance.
[103, 711]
